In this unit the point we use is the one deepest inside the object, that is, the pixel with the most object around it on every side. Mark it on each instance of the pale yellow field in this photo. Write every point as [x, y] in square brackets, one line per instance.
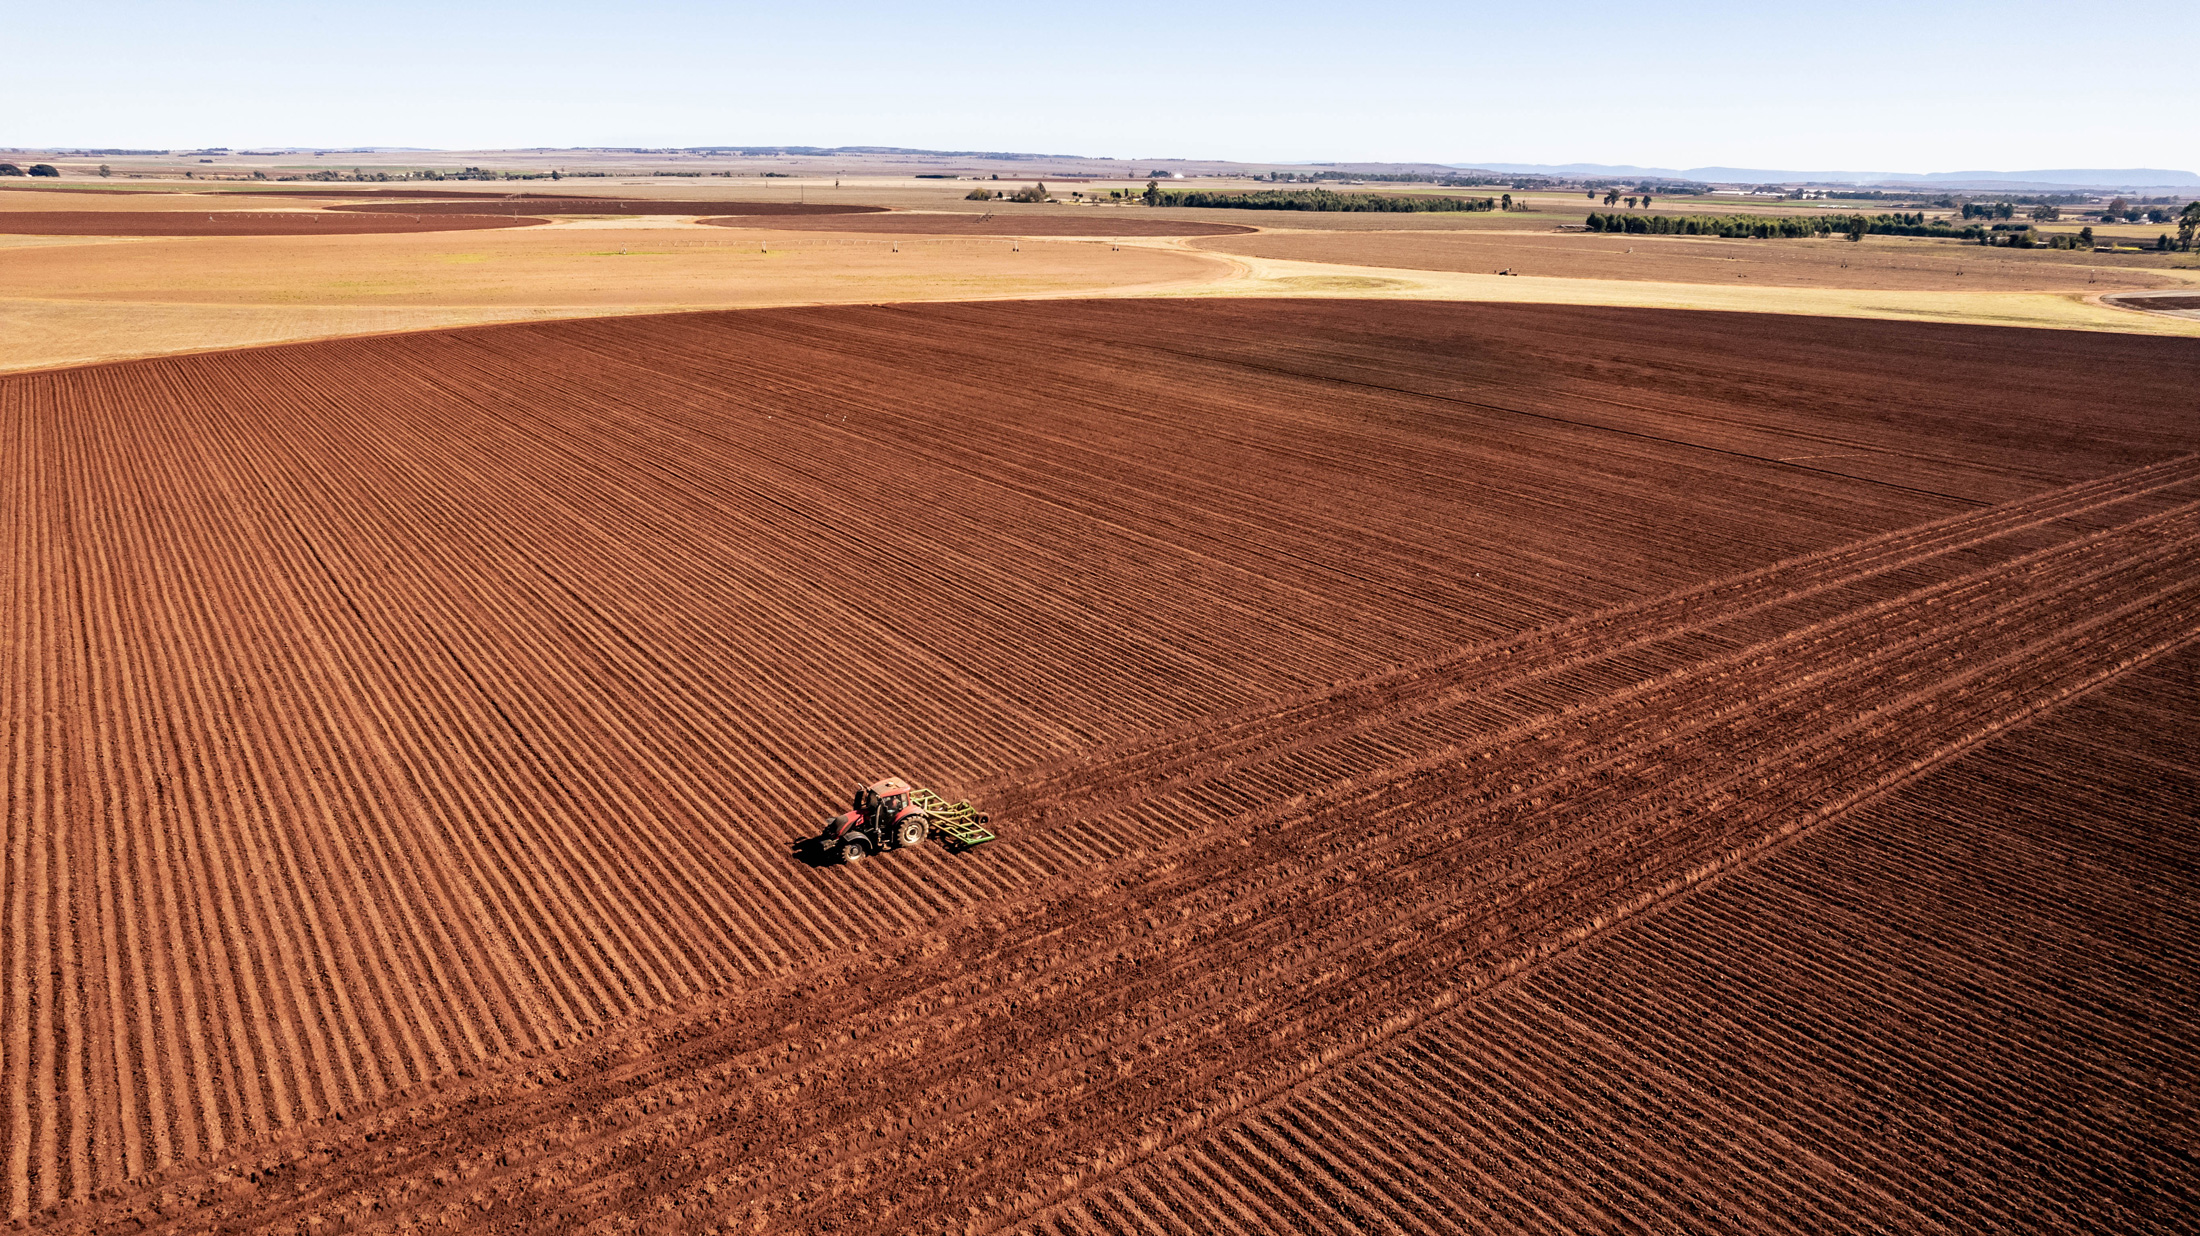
[1256, 276]
[74, 300]
[77, 301]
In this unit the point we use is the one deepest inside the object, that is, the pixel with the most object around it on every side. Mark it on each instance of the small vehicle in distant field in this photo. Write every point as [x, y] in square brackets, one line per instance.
[892, 815]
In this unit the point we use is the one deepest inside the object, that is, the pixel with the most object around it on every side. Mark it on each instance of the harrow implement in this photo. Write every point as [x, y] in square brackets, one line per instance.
[961, 824]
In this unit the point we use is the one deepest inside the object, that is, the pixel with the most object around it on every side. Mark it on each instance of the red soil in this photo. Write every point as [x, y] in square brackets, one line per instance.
[409, 736]
[1980, 970]
[53, 188]
[238, 223]
[549, 205]
[908, 223]
[2152, 302]
[442, 195]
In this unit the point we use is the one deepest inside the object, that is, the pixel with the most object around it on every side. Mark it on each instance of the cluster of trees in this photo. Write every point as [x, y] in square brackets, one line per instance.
[2119, 209]
[2025, 236]
[1316, 199]
[1731, 226]
[1899, 223]
[1791, 227]
[2041, 212]
[1612, 198]
[1856, 227]
[36, 169]
[1036, 192]
[1643, 188]
[471, 173]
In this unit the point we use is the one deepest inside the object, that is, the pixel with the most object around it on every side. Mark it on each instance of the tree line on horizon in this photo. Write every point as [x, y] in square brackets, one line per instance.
[1313, 199]
[1856, 227]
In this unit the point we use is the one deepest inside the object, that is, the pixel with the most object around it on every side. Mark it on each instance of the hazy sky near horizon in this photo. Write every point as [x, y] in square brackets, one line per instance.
[1863, 86]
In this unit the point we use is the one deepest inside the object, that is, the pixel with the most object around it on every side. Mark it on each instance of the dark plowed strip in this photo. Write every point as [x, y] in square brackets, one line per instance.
[546, 205]
[1098, 222]
[242, 223]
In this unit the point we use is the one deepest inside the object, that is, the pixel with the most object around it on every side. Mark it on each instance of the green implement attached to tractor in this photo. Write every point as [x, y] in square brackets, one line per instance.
[963, 824]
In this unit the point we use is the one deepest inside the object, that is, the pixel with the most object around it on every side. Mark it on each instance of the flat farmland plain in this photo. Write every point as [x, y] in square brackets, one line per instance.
[410, 738]
[1097, 223]
[241, 223]
[77, 301]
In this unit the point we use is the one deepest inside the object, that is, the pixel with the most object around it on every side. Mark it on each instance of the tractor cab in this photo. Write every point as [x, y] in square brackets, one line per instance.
[881, 818]
[885, 799]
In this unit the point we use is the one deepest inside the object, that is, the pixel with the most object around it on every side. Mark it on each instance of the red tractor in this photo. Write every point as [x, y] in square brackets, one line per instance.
[892, 814]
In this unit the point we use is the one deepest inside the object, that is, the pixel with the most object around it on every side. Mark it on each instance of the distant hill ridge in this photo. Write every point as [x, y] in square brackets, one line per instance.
[2055, 178]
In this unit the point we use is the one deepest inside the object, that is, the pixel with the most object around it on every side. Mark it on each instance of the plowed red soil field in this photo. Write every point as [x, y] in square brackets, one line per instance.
[239, 223]
[1395, 715]
[917, 223]
[546, 205]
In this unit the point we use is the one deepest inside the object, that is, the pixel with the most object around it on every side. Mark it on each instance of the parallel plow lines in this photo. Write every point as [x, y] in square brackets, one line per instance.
[1693, 1085]
[1025, 1058]
[419, 754]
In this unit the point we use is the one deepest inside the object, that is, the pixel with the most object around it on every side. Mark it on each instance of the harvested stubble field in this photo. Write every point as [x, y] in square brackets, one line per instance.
[241, 223]
[409, 738]
[91, 299]
[1096, 222]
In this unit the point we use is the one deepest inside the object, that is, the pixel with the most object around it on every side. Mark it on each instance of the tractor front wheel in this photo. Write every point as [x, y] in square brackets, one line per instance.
[912, 832]
[853, 849]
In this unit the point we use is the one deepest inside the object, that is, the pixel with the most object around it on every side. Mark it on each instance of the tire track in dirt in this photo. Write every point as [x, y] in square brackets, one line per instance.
[1950, 987]
[1113, 773]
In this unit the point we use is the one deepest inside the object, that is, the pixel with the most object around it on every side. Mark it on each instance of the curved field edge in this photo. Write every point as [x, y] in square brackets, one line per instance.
[2069, 310]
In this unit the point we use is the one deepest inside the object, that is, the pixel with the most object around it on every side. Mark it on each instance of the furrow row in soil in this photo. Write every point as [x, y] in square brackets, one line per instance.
[1412, 896]
[398, 725]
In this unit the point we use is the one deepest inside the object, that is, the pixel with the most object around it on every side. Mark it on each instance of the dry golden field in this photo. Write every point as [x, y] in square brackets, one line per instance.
[74, 299]
[92, 299]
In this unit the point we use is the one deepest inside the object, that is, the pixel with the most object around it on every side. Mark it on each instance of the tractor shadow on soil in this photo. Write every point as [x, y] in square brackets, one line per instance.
[811, 852]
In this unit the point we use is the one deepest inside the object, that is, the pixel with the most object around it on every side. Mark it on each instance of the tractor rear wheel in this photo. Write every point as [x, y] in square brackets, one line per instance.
[912, 832]
[853, 850]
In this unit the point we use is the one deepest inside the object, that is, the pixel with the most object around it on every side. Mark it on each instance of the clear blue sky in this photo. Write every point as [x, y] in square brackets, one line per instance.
[1862, 85]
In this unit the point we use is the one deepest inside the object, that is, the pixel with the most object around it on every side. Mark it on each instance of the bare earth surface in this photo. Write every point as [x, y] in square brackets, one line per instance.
[1966, 1005]
[1421, 734]
[2159, 302]
[234, 263]
[241, 223]
[1084, 223]
[538, 204]
[1892, 263]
